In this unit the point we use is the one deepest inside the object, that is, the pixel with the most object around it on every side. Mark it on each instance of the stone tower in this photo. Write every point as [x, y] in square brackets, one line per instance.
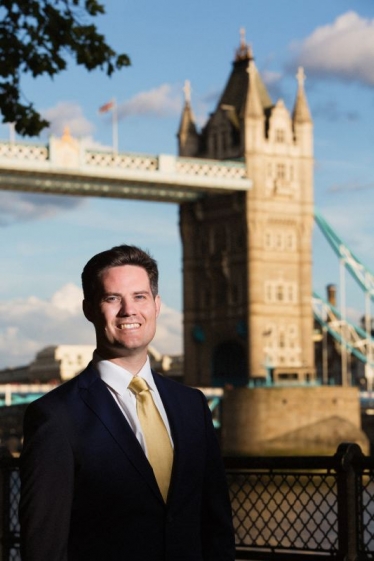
[247, 256]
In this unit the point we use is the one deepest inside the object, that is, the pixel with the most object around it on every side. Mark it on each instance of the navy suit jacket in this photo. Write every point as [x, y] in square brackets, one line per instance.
[88, 492]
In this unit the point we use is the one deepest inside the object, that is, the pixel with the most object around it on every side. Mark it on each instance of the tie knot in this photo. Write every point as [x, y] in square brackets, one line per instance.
[138, 385]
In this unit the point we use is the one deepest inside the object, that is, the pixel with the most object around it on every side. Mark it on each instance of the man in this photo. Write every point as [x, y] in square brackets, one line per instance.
[96, 483]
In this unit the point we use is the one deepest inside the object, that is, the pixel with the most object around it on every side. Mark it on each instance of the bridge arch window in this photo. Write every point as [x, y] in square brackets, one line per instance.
[268, 292]
[281, 171]
[280, 293]
[268, 240]
[280, 135]
[279, 241]
[290, 241]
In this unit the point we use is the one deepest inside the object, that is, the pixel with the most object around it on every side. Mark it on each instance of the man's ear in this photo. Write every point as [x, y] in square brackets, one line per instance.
[87, 310]
[158, 304]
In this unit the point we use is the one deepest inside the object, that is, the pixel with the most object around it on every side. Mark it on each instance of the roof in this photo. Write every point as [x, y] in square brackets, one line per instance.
[235, 92]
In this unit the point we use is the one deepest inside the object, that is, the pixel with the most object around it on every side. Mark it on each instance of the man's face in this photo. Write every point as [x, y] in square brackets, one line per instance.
[124, 312]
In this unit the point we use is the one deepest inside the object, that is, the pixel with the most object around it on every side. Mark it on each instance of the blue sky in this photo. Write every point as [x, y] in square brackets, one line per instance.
[47, 240]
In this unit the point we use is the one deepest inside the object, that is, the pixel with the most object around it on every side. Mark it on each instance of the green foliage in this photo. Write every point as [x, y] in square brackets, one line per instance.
[37, 37]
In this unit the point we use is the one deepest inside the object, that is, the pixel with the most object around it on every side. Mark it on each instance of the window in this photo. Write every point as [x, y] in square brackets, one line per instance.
[280, 291]
[281, 171]
[290, 241]
[268, 240]
[280, 294]
[279, 135]
[268, 292]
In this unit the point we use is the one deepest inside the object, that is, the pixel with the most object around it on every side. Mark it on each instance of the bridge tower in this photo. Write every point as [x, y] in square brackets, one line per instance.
[247, 256]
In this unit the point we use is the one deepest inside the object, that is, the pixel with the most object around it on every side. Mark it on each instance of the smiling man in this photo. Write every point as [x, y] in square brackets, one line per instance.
[120, 463]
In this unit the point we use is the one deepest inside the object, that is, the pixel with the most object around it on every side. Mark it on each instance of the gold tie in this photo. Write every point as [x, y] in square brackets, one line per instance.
[159, 448]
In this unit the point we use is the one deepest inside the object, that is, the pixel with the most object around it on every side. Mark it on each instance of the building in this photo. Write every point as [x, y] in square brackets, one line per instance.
[53, 364]
[247, 256]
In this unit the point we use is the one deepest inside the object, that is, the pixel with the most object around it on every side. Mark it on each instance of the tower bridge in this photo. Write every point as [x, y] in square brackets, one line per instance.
[66, 167]
[244, 185]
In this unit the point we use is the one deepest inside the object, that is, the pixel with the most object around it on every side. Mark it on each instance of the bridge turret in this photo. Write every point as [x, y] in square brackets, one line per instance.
[301, 118]
[188, 137]
[254, 118]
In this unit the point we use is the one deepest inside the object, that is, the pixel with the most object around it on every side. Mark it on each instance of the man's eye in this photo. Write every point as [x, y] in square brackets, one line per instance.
[111, 298]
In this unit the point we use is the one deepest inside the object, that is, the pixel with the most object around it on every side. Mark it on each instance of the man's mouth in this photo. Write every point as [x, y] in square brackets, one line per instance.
[124, 326]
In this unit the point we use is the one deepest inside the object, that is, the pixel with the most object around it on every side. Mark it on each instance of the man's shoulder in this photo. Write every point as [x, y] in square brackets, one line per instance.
[65, 391]
[176, 387]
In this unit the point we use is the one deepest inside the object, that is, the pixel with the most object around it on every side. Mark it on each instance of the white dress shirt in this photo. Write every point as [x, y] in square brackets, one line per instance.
[117, 380]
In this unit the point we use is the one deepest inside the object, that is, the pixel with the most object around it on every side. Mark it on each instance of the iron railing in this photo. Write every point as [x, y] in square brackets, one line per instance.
[297, 507]
[9, 499]
[284, 508]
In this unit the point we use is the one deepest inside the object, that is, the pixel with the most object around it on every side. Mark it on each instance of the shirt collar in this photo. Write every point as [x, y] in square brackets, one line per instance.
[117, 377]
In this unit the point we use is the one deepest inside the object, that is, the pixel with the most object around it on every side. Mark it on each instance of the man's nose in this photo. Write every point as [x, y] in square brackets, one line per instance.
[127, 307]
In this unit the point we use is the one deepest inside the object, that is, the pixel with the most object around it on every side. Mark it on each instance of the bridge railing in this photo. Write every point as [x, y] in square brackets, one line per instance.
[295, 507]
[284, 508]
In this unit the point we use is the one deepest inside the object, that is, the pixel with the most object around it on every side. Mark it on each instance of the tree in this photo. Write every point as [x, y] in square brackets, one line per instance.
[37, 37]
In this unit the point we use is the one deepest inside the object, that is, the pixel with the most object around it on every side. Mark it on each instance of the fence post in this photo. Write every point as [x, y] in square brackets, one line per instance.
[4, 501]
[348, 497]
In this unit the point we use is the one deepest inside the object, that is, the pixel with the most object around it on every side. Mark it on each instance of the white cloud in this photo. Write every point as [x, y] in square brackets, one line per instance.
[163, 101]
[352, 221]
[22, 207]
[343, 49]
[68, 114]
[168, 339]
[270, 77]
[68, 299]
[28, 325]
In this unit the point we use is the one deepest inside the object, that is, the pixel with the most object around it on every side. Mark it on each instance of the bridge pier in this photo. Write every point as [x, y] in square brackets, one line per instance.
[309, 420]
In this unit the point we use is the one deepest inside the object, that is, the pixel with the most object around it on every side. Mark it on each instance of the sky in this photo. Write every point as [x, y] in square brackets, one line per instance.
[46, 240]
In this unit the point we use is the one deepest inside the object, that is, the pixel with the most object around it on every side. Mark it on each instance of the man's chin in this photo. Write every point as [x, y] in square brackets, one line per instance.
[119, 349]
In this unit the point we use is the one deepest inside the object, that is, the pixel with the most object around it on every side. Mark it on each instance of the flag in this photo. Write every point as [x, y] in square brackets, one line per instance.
[106, 107]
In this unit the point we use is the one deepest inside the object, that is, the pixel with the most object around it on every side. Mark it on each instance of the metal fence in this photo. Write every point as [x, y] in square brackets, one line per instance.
[9, 499]
[295, 508]
[284, 508]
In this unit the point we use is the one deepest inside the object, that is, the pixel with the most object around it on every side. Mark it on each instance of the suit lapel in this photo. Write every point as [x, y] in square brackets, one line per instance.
[98, 398]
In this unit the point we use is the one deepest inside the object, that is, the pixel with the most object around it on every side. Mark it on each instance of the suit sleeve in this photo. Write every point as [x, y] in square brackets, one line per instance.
[47, 480]
[217, 531]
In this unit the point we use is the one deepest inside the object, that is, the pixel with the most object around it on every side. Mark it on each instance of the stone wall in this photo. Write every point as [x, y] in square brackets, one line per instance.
[311, 420]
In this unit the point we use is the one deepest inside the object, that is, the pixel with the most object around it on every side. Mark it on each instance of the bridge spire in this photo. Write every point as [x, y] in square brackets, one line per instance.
[301, 118]
[301, 112]
[188, 137]
[244, 52]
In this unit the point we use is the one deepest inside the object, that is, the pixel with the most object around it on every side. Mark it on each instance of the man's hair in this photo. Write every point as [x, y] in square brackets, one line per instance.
[116, 257]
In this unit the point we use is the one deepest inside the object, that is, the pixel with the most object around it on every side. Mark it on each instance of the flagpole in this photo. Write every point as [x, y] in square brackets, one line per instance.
[115, 126]
[12, 133]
